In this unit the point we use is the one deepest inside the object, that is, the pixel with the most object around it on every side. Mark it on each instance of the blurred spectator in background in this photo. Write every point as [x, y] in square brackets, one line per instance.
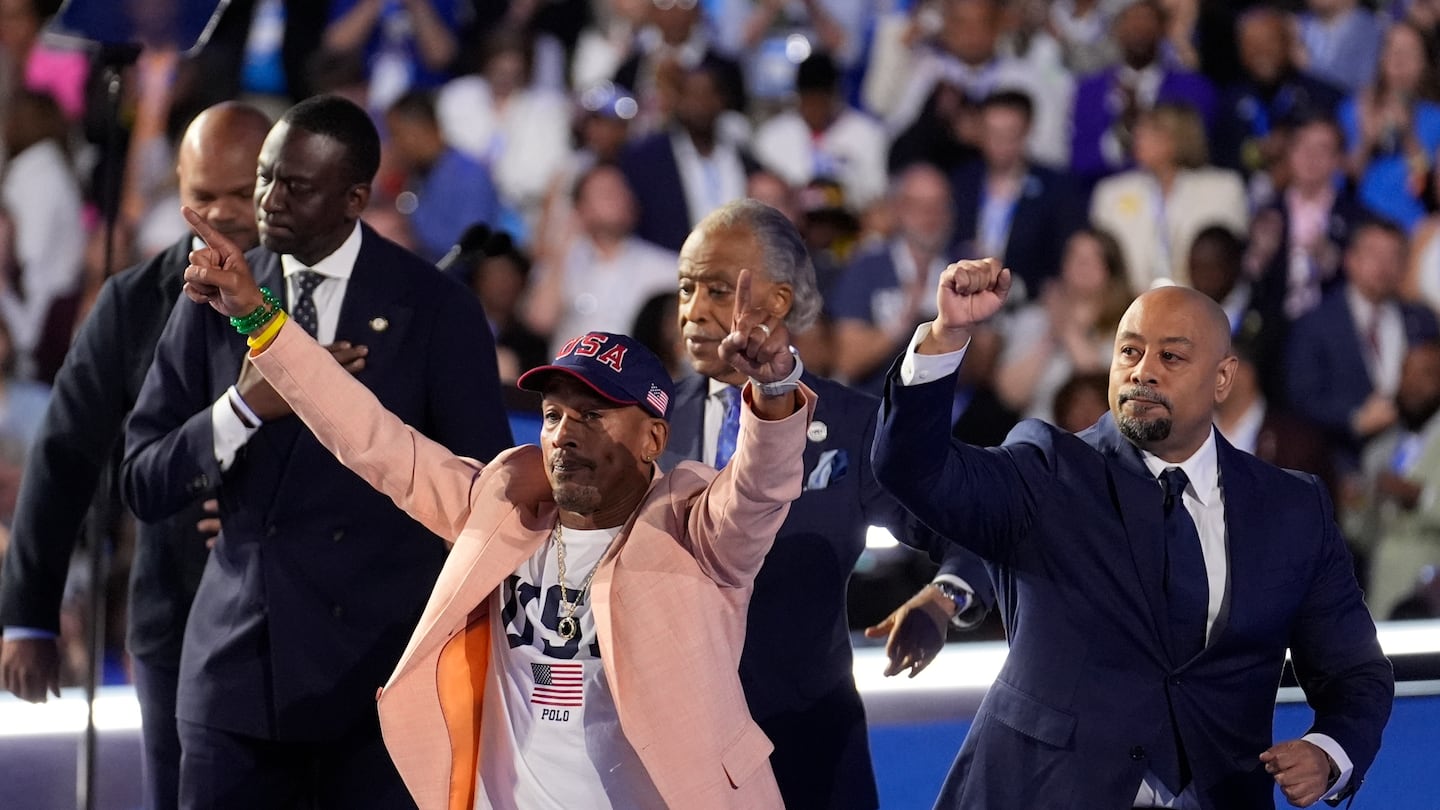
[1341, 40]
[1296, 240]
[1217, 261]
[820, 136]
[599, 278]
[683, 173]
[1264, 427]
[1397, 514]
[890, 289]
[657, 326]
[42, 196]
[445, 189]
[1109, 104]
[777, 34]
[1343, 359]
[32, 65]
[830, 229]
[607, 44]
[1272, 95]
[602, 128]
[1422, 279]
[22, 408]
[519, 131]
[674, 42]
[1392, 128]
[965, 58]
[1082, 27]
[1155, 210]
[1081, 401]
[1068, 329]
[1010, 208]
[498, 274]
[406, 43]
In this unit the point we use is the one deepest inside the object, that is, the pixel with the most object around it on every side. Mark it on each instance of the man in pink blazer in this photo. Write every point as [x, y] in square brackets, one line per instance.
[613, 683]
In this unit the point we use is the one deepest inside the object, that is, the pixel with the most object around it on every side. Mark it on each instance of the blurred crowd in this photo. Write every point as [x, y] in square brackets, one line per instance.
[1283, 158]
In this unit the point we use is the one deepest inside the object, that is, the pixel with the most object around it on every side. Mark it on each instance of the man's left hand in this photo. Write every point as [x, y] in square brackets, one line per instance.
[1301, 769]
[915, 632]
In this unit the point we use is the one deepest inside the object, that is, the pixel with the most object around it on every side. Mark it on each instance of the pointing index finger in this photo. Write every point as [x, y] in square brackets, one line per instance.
[212, 237]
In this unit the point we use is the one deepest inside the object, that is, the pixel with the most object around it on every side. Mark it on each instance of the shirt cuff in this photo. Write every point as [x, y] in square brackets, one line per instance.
[229, 432]
[919, 368]
[23, 633]
[973, 612]
[1327, 744]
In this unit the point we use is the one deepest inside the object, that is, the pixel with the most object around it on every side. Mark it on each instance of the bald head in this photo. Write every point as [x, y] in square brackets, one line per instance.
[216, 168]
[1173, 365]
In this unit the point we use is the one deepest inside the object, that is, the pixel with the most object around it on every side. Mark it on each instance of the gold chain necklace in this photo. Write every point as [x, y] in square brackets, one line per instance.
[569, 626]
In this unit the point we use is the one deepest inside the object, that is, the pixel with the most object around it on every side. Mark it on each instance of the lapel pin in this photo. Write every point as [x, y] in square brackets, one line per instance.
[818, 431]
[379, 324]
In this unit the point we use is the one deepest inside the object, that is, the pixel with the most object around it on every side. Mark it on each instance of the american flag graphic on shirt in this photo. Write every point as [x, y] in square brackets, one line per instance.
[561, 684]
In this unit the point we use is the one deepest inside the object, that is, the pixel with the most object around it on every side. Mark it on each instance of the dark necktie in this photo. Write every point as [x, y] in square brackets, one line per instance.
[729, 428]
[1187, 586]
[304, 310]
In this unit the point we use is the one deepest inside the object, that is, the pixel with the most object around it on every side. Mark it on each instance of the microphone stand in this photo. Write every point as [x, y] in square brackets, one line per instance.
[112, 59]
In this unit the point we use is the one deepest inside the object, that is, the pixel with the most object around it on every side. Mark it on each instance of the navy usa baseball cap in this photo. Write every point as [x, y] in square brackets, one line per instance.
[617, 367]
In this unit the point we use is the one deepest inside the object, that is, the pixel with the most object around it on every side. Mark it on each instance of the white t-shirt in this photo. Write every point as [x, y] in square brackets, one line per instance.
[550, 737]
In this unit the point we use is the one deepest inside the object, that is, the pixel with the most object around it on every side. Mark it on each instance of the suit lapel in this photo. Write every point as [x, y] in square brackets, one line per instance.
[1140, 503]
[376, 311]
[687, 422]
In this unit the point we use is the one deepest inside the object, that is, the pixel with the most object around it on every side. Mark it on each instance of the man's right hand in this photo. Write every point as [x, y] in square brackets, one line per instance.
[268, 405]
[218, 273]
[30, 667]
[971, 292]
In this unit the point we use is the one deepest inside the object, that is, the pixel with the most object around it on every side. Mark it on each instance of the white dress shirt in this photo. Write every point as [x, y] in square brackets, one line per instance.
[1204, 499]
[229, 431]
[709, 181]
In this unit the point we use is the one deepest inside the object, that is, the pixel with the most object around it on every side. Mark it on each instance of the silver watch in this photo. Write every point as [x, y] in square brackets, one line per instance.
[785, 386]
[961, 597]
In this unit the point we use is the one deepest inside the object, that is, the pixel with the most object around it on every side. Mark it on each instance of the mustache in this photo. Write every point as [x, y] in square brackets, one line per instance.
[1144, 392]
[568, 458]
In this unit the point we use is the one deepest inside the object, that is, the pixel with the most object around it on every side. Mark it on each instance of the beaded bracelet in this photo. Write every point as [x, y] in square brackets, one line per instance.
[258, 317]
[261, 339]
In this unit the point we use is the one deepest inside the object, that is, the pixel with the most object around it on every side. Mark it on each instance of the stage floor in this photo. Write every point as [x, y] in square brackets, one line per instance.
[916, 726]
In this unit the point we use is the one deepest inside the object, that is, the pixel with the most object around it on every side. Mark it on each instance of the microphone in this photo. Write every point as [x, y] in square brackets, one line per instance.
[473, 239]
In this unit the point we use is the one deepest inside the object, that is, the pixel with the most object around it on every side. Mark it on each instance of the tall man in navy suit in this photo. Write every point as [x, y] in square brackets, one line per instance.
[316, 581]
[1007, 206]
[78, 450]
[796, 668]
[1152, 578]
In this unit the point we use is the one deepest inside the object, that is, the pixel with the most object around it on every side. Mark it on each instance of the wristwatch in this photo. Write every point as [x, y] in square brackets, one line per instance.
[785, 386]
[961, 597]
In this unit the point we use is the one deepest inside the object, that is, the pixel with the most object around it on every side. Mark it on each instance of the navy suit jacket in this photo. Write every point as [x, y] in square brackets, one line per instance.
[1325, 372]
[650, 167]
[1095, 112]
[75, 457]
[1090, 697]
[317, 580]
[1048, 211]
[797, 643]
